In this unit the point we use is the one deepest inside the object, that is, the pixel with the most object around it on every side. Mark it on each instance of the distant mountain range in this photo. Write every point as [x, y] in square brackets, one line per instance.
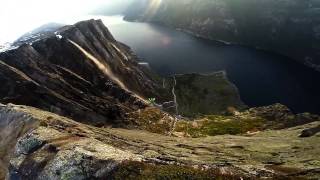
[39, 33]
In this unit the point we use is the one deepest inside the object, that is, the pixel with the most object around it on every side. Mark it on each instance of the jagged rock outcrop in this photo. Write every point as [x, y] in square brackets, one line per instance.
[36, 144]
[251, 121]
[310, 132]
[42, 145]
[288, 27]
[79, 71]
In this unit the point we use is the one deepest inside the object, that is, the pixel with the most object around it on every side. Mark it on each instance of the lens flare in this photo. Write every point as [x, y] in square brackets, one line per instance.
[153, 8]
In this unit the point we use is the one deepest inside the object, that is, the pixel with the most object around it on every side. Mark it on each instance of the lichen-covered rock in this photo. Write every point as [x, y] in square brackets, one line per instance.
[13, 124]
[48, 152]
[84, 160]
[272, 112]
[50, 146]
[28, 144]
[280, 116]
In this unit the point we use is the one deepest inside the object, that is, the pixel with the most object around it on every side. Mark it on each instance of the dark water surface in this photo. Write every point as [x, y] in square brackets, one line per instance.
[262, 78]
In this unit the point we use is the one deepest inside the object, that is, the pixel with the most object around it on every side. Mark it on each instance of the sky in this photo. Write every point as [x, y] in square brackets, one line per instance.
[20, 16]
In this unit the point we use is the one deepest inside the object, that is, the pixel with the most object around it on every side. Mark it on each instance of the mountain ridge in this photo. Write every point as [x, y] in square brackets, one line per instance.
[63, 72]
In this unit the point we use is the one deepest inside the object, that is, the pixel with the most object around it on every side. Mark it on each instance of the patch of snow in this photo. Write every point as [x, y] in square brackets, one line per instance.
[143, 63]
[58, 36]
[4, 47]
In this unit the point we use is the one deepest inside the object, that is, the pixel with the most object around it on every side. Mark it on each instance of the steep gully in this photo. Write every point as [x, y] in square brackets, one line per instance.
[107, 70]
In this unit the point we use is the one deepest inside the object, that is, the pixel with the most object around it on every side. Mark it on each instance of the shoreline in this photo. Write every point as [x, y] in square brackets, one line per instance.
[227, 43]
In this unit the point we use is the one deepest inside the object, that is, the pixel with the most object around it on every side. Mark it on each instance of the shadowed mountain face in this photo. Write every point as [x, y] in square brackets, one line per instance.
[288, 27]
[79, 71]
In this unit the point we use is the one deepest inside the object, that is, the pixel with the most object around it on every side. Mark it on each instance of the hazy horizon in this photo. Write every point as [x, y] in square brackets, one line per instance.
[19, 17]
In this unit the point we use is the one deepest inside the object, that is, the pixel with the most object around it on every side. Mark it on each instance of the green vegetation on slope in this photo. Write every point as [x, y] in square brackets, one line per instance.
[213, 125]
[151, 119]
[199, 94]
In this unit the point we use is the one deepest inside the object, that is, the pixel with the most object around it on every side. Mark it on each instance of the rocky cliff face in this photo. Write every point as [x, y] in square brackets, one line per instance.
[199, 94]
[79, 71]
[288, 27]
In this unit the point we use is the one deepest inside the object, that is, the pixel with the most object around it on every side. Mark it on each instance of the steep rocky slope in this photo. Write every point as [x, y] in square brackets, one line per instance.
[79, 71]
[288, 27]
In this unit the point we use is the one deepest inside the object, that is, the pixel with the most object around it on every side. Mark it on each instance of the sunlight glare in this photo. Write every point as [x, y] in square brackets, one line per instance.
[153, 8]
[18, 16]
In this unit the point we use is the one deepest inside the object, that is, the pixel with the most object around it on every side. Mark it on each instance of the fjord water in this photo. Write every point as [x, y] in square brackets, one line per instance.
[262, 78]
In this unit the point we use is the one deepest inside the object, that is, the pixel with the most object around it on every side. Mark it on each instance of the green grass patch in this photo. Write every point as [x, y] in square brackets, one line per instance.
[152, 120]
[219, 125]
